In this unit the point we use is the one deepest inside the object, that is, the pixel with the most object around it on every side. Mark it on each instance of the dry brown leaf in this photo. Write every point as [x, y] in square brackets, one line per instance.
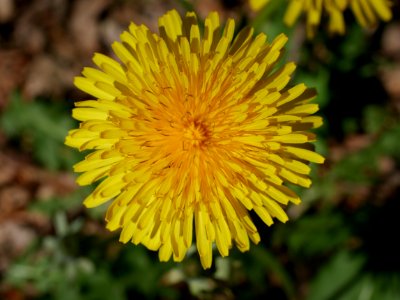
[84, 24]
[391, 40]
[12, 198]
[12, 71]
[391, 80]
[14, 239]
[42, 78]
[7, 10]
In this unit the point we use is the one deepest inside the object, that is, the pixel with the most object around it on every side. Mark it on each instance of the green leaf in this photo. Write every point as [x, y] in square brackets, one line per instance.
[40, 128]
[337, 275]
[374, 117]
[317, 234]
[318, 79]
[262, 262]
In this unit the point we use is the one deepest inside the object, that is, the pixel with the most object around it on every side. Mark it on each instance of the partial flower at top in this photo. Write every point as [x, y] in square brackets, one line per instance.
[192, 131]
[257, 5]
[367, 12]
[315, 10]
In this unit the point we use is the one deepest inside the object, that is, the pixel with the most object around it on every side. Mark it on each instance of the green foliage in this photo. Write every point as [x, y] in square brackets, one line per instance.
[336, 275]
[374, 118]
[344, 278]
[315, 235]
[268, 21]
[256, 267]
[40, 128]
[351, 48]
[52, 206]
[366, 160]
[317, 79]
[66, 269]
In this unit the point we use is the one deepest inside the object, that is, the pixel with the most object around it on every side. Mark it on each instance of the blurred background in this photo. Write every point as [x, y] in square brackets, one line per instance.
[340, 243]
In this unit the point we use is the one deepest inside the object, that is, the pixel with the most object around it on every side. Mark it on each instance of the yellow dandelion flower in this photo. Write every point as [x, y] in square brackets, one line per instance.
[314, 10]
[190, 132]
[369, 12]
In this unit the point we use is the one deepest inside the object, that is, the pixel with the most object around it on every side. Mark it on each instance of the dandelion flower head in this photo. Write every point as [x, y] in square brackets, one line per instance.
[190, 132]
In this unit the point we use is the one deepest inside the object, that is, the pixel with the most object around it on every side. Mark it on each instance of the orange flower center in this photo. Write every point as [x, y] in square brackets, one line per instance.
[195, 133]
